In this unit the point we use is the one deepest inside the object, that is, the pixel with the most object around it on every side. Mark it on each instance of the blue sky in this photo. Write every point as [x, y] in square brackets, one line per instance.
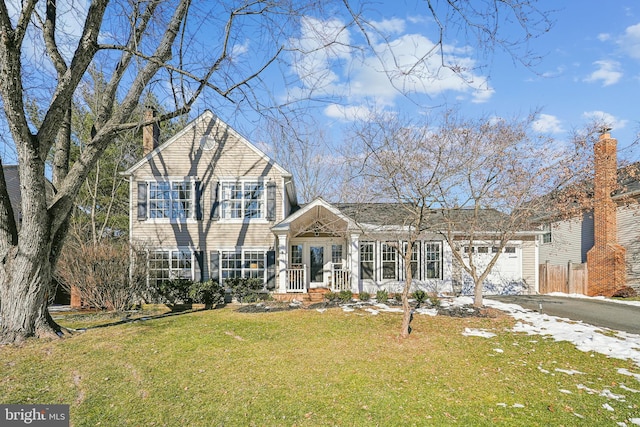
[588, 70]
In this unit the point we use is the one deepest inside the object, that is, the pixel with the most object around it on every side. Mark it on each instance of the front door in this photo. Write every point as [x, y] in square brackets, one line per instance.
[316, 261]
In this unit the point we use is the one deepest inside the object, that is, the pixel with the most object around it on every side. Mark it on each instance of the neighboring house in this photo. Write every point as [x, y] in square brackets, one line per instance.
[12, 180]
[609, 231]
[208, 204]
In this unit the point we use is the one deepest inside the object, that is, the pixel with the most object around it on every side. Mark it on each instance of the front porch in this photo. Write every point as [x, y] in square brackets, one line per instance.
[297, 279]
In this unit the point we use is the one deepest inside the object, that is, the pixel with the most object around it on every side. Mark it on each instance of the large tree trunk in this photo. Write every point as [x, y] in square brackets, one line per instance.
[25, 288]
[477, 293]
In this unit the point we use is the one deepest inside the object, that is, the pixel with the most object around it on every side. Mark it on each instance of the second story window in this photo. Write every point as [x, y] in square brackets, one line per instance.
[170, 199]
[243, 200]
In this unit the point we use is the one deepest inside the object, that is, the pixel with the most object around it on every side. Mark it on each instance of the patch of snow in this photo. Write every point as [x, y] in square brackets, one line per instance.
[373, 311]
[498, 350]
[608, 407]
[518, 405]
[504, 405]
[468, 332]
[627, 372]
[347, 309]
[321, 310]
[632, 390]
[635, 421]
[562, 390]
[568, 371]
[427, 311]
[585, 337]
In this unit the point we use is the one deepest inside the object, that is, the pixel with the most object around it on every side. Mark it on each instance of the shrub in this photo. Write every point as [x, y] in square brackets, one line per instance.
[625, 292]
[382, 296]
[364, 296]
[398, 296]
[103, 274]
[210, 293]
[435, 301]
[245, 289]
[345, 296]
[175, 291]
[331, 296]
[420, 296]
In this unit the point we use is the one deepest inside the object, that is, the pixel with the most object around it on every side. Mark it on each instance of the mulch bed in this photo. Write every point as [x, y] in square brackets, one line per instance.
[275, 306]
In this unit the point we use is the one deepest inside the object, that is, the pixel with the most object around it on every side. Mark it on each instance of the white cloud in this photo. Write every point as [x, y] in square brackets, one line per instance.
[240, 49]
[630, 41]
[329, 64]
[348, 114]
[389, 26]
[607, 72]
[603, 37]
[547, 123]
[605, 119]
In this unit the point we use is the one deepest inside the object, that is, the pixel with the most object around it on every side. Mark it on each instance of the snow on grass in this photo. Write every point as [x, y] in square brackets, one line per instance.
[568, 371]
[469, 332]
[618, 345]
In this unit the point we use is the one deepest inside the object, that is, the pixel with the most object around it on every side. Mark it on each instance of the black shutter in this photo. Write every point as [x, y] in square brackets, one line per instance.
[199, 271]
[198, 194]
[142, 200]
[271, 201]
[271, 270]
[214, 267]
[215, 202]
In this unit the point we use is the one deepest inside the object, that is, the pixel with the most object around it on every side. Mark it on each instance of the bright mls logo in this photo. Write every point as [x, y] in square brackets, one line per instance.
[34, 415]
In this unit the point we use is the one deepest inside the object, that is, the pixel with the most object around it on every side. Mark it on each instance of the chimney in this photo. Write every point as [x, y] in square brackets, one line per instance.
[606, 259]
[150, 132]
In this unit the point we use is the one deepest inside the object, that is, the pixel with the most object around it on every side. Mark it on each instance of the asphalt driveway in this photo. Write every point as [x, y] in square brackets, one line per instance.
[602, 313]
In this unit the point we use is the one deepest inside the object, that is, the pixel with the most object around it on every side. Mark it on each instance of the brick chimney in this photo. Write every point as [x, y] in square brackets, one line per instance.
[606, 259]
[150, 132]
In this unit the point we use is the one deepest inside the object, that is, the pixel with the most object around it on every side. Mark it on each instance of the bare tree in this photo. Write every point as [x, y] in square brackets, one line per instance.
[136, 44]
[496, 189]
[397, 161]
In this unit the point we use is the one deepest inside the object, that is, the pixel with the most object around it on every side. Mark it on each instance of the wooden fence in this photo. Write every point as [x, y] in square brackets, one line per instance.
[569, 279]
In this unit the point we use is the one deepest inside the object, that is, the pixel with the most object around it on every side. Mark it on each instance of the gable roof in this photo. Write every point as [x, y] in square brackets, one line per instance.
[392, 216]
[207, 115]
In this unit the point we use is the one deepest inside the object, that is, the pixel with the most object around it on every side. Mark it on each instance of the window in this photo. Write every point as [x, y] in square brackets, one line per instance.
[389, 262]
[546, 237]
[366, 260]
[483, 249]
[167, 265]
[243, 200]
[510, 250]
[433, 260]
[415, 254]
[242, 264]
[170, 199]
[495, 249]
[336, 256]
[296, 256]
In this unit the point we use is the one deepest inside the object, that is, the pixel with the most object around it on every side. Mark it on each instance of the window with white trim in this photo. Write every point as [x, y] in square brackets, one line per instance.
[389, 262]
[546, 237]
[433, 260]
[336, 256]
[366, 260]
[296, 256]
[167, 265]
[243, 200]
[415, 255]
[170, 199]
[249, 263]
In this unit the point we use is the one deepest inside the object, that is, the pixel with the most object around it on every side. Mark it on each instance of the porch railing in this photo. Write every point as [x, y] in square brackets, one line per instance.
[341, 278]
[297, 278]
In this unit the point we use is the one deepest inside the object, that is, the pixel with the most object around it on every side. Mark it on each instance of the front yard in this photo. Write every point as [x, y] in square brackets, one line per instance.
[307, 367]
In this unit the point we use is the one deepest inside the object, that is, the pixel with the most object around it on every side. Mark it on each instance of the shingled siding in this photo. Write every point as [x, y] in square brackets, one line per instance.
[629, 237]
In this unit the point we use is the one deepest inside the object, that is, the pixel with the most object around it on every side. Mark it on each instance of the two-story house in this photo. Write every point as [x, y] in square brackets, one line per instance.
[208, 204]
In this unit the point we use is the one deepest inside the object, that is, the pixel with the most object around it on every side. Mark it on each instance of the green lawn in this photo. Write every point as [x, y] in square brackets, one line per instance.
[306, 368]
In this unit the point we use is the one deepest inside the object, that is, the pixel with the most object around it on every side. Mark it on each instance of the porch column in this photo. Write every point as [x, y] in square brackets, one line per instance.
[283, 262]
[354, 262]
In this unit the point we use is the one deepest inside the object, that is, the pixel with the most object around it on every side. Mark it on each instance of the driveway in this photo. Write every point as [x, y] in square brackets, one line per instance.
[607, 314]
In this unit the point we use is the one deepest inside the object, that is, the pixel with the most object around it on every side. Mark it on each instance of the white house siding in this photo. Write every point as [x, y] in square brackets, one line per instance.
[629, 237]
[530, 265]
[570, 241]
